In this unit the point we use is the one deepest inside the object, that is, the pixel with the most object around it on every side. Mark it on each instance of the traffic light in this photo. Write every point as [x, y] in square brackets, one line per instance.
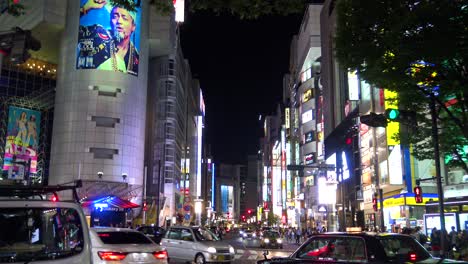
[55, 198]
[243, 218]
[145, 207]
[249, 211]
[402, 116]
[374, 120]
[418, 194]
[374, 203]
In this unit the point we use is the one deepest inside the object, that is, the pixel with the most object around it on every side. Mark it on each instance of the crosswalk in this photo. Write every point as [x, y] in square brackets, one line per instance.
[249, 254]
[246, 254]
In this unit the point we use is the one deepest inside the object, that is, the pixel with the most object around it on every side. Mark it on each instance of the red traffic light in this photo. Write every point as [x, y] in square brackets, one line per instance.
[54, 198]
[418, 194]
[348, 141]
[249, 211]
[145, 207]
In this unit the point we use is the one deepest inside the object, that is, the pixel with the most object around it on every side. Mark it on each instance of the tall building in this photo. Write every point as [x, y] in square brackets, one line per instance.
[227, 194]
[125, 107]
[305, 127]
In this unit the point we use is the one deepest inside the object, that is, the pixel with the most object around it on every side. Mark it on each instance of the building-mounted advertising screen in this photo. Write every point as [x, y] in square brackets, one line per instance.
[353, 86]
[22, 142]
[108, 37]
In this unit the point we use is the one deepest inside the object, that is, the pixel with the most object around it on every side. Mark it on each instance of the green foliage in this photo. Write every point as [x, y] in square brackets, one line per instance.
[251, 9]
[384, 40]
[15, 9]
[272, 219]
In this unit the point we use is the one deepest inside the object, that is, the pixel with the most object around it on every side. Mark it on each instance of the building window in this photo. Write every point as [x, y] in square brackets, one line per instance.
[103, 153]
[103, 121]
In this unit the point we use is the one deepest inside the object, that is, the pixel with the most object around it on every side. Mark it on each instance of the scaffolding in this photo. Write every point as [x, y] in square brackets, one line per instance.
[41, 100]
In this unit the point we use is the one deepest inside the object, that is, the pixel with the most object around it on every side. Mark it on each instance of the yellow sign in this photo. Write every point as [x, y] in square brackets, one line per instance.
[393, 128]
[307, 95]
[287, 118]
[400, 201]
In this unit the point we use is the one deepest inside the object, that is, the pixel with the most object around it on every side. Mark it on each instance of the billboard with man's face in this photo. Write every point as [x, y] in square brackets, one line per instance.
[108, 37]
[22, 142]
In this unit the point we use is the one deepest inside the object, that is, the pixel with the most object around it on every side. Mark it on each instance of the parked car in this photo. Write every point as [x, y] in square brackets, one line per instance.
[359, 248]
[271, 239]
[155, 233]
[124, 245]
[37, 226]
[196, 244]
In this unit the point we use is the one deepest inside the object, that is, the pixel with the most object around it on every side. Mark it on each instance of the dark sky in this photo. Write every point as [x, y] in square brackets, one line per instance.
[240, 65]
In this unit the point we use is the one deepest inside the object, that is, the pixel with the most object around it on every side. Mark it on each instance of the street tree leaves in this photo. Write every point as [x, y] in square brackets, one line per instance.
[415, 48]
[244, 9]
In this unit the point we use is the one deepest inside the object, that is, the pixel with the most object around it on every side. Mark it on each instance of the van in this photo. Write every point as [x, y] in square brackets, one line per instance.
[37, 227]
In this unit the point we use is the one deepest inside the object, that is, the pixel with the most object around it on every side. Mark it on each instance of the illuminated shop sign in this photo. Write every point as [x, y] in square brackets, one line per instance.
[309, 137]
[353, 86]
[108, 38]
[307, 95]
[22, 141]
[307, 116]
[287, 118]
[309, 158]
[179, 7]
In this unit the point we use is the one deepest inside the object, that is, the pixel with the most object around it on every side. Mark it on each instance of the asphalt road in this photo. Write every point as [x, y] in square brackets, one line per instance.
[249, 252]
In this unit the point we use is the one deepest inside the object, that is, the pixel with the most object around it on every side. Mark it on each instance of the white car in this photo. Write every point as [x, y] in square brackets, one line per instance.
[185, 243]
[34, 228]
[124, 245]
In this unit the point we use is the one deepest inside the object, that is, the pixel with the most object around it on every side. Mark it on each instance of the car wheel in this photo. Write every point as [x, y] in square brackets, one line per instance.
[200, 259]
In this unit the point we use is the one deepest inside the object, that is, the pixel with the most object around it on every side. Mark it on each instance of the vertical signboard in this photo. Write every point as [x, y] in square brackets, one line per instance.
[108, 37]
[22, 142]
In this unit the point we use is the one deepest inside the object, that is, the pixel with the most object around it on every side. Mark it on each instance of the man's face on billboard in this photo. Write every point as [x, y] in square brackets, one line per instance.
[122, 24]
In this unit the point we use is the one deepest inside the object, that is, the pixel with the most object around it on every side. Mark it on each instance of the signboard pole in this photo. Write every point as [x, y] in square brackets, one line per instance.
[144, 196]
[440, 192]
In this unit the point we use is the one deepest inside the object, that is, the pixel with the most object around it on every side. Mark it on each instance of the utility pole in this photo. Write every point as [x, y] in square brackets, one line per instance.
[440, 192]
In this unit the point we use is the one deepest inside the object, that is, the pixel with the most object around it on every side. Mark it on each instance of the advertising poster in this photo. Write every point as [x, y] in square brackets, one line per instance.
[108, 37]
[22, 142]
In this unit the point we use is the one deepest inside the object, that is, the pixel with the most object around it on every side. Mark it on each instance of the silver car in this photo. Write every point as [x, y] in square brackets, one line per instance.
[123, 245]
[197, 244]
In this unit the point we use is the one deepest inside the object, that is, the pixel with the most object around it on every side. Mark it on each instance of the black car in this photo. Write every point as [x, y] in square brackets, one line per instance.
[359, 248]
[155, 233]
[271, 239]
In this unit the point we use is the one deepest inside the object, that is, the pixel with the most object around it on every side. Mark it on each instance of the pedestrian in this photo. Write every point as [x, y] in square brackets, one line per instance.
[453, 238]
[298, 235]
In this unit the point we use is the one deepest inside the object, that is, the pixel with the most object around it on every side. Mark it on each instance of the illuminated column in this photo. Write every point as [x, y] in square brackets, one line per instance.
[100, 103]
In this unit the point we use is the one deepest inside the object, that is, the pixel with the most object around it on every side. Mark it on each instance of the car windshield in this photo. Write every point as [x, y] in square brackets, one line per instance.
[203, 234]
[271, 234]
[398, 247]
[343, 249]
[123, 237]
[28, 234]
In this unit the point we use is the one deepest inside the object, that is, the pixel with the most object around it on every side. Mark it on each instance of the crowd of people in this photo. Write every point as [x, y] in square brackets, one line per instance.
[455, 242]
[299, 235]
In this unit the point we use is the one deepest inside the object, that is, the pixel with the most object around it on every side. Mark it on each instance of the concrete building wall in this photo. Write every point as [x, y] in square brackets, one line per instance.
[82, 95]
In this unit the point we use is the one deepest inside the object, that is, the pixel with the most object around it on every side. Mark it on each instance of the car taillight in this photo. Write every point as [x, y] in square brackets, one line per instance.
[160, 254]
[413, 256]
[111, 256]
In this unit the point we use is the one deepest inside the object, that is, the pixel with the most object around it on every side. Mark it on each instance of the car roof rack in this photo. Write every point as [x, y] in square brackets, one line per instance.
[25, 191]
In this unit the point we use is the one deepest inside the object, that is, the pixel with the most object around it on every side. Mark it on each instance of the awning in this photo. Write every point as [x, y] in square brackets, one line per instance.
[111, 200]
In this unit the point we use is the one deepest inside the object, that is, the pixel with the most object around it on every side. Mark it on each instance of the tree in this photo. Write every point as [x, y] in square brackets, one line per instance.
[415, 48]
[246, 9]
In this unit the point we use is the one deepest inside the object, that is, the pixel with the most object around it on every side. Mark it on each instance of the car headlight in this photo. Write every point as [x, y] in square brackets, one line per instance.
[254, 235]
[266, 240]
[244, 235]
[231, 250]
[211, 250]
[279, 241]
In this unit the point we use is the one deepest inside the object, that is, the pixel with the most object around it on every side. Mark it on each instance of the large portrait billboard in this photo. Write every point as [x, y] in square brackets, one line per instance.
[108, 37]
[22, 142]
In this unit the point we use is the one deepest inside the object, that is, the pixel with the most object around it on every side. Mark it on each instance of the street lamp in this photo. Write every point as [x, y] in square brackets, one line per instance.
[198, 210]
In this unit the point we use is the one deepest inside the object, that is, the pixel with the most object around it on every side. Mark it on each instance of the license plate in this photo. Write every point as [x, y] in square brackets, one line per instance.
[138, 257]
[220, 257]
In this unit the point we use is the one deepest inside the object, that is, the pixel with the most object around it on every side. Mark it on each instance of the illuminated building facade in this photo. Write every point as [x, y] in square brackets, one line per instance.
[106, 130]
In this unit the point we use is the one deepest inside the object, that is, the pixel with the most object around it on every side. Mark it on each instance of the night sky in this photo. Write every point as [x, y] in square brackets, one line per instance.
[240, 65]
